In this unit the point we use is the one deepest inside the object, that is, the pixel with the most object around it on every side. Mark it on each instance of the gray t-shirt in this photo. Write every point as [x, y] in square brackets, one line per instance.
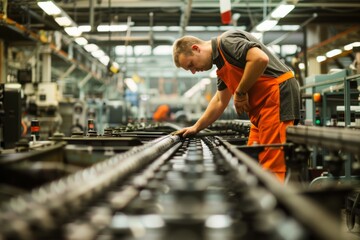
[235, 44]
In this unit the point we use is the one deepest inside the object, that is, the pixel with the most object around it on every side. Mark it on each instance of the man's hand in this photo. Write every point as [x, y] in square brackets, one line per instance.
[241, 103]
[188, 131]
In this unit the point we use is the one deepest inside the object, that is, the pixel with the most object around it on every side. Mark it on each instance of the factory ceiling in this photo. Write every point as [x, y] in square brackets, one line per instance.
[160, 22]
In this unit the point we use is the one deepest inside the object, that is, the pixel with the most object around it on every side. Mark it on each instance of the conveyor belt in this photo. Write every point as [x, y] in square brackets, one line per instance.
[169, 188]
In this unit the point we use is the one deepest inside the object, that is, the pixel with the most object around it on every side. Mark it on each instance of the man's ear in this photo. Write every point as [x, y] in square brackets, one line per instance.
[195, 47]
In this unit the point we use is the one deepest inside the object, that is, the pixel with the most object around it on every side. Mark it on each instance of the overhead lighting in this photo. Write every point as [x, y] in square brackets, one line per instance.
[81, 41]
[49, 7]
[236, 16]
[301, 66]
[73, 31]
[98, 53]
[112, 28]
[333, 53]
[85, 28]
[130, 83]
[162, 50]
[257, 35]
[63, 21]
[91, 47]
[351, 45]
[160, 28]
[320, 58]
[195, 28]
[142, 50]
[266, 25]
[104, 60]
[282, 10]
[286, 28]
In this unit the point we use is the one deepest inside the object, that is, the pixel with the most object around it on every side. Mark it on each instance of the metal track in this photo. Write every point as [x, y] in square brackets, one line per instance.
[169, 188]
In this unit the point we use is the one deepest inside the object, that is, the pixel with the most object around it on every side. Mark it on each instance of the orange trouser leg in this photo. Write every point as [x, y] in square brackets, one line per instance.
[271, 131]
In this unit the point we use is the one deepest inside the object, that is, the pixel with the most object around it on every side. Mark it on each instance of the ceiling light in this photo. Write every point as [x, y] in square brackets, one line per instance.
[124, 50]
[162, 50]
[212, 28]
[104, 60]
[112, 28]
[98, 53]
[63, 21]
[49, 7]
[289, 49]
[174, 28]
[73, 31]
[85, 28]
[257, 35]
[236, 16]
[81, 41]
[142, 50]
[301, 65]
[320, 58]
[91, 47]
[160, 28]
[195, 28]
[351, 45]
[140, 29]
[266, 25]
[333, 53]
[282, 10]
[290, 27]
[130, 83]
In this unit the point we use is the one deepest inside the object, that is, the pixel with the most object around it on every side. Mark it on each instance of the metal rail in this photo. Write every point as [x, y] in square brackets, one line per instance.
[344, 139]
[40, 211]
[326, 227]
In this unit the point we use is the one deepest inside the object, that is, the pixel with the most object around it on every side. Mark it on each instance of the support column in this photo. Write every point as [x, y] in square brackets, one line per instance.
[315, 35]
[46, 63]
[2, 62]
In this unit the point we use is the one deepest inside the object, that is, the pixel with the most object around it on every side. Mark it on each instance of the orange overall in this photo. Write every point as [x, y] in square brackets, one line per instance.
[161, 113]
[264, 114]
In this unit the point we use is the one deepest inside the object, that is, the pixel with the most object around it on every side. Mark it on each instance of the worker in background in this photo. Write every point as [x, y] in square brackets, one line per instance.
[162, 113]
[261, 85]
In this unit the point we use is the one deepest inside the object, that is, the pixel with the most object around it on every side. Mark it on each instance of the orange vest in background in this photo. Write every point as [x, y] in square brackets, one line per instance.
[161, 113]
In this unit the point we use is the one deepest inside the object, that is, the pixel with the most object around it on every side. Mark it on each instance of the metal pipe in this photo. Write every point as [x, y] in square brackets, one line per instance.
[92, 15]
[344, 139]
[185, 17]
[77, 189]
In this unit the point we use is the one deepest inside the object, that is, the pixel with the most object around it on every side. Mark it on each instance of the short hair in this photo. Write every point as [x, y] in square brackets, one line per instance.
[183, 46]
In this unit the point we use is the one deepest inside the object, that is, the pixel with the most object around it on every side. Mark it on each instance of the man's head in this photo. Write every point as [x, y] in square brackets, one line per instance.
[193, 54]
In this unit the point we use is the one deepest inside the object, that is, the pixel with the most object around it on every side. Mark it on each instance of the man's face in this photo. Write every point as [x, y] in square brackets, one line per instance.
[198, 62]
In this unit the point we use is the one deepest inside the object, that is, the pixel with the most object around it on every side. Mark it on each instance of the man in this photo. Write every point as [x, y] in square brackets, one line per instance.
[260, 83]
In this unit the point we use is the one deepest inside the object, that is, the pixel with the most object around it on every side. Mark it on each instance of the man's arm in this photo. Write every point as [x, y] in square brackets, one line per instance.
[213, 111]
[256, 63]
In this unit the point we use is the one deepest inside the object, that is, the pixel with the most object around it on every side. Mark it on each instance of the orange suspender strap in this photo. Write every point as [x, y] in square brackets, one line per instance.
[284, 77]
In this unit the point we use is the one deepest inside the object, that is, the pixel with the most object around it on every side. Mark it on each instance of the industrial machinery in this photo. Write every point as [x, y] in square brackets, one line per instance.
[166, 187]
[341, 161]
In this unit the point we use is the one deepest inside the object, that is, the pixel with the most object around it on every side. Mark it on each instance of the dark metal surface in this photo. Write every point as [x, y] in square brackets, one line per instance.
[168, 188]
